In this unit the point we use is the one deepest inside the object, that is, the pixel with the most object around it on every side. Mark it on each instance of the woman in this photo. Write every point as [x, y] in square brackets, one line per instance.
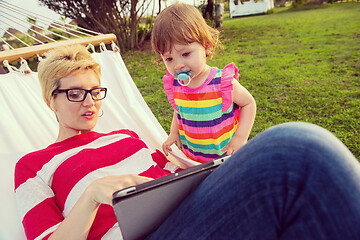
[71, 173]
[285, 183]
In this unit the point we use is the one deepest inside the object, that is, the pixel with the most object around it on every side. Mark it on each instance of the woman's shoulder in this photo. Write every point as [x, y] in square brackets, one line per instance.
[32, 162]
[73, 142]
[29, 164]
[35, 154]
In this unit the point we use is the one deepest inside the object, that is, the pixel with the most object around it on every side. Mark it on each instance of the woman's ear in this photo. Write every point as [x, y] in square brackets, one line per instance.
[51, 104]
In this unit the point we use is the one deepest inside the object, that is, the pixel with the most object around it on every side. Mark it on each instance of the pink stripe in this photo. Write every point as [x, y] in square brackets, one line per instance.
[44, 214]
[64, 180]
[203, 87]
[104, 220]
[45, 155]
[208, 129]
[196, 158]
[209, 88]
[48, 211]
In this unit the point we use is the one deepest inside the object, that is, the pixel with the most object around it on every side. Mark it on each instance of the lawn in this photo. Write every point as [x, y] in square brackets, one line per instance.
[300, 65]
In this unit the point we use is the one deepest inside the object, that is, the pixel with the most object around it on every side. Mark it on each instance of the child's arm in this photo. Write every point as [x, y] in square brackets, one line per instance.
[174, 136]
[247, 104]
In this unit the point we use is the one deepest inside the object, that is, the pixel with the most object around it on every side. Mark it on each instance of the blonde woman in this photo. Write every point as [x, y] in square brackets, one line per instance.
[64, 191]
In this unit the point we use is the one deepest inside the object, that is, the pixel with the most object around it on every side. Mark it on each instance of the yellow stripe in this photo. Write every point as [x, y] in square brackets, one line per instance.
[198, 104]
[209, 141]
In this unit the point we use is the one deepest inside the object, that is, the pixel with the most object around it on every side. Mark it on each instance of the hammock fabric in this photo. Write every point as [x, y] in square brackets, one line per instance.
[27, 124]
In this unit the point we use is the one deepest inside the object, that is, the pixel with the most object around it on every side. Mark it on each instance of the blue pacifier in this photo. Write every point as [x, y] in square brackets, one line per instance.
[184, 76]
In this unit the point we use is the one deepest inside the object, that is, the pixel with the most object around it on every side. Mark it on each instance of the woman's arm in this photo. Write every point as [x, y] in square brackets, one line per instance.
[247, 104]
[78, 222]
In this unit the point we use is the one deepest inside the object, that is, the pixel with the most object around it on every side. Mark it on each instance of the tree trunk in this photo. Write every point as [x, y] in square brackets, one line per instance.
[133, 26]
[209, 10]
[159, 7]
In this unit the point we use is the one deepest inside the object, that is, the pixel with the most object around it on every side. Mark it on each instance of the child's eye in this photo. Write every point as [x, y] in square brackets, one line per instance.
[186, 54]
[168, 59]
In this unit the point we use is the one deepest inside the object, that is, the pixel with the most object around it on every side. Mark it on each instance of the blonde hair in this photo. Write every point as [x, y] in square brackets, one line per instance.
[59, 63]
[182, 24]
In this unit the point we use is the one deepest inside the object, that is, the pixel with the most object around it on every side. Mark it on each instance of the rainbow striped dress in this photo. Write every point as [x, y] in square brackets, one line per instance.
[207, 116]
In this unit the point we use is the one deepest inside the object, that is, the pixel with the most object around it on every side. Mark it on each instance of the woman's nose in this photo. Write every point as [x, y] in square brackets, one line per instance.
[88, 100]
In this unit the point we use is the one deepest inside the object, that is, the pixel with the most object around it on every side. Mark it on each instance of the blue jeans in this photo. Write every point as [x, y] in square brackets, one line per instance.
[293, 181]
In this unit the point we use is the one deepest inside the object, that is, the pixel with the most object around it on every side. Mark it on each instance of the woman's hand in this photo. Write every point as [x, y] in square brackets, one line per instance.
[101, 190]
[173, 138]
[78, 222]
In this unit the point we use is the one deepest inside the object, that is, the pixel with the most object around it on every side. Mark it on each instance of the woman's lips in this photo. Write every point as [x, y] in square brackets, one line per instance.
[89, 114]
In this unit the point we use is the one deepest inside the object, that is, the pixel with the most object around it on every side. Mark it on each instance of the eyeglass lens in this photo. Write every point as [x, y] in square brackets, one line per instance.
[78, 95]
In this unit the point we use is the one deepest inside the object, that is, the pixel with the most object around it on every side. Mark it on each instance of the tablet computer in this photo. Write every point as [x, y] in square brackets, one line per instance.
[141, 209]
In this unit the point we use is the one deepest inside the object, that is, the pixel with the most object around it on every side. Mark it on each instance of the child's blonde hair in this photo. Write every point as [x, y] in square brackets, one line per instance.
[182, 24]
[59, 63]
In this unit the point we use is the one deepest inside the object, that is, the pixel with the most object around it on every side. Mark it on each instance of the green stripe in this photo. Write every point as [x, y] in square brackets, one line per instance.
[204, 110]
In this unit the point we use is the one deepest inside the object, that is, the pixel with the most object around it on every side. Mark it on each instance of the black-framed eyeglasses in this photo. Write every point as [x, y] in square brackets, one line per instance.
[79, 95]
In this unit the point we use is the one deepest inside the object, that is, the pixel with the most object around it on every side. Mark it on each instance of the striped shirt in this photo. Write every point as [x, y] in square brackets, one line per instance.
[207, 116]
[49, 182]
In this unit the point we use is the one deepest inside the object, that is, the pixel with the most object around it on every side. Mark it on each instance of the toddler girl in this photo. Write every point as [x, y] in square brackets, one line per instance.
[213, 113]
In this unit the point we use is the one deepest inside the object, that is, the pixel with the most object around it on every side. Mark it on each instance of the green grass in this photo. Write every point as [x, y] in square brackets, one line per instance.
[300, 65]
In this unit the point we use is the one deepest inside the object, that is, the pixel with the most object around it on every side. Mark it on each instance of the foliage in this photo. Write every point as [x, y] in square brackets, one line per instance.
[299, 66]
[58, 32]
[207, 9]
[28, 40]
[301, 3]
[121, 17]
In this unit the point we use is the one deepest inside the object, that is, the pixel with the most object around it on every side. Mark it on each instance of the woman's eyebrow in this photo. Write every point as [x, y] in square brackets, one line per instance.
[81, 87]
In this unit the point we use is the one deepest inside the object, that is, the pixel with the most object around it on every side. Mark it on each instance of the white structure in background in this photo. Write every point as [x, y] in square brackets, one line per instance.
[239, 8]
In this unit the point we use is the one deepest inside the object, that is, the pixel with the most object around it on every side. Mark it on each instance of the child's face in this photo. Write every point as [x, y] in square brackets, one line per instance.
[184, 57]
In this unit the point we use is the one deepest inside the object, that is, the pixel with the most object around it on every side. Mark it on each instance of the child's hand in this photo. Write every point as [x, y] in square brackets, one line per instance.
[173, 138]
[234, 144]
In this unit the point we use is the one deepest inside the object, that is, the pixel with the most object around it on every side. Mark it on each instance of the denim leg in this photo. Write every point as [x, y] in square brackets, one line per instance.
[293, 181]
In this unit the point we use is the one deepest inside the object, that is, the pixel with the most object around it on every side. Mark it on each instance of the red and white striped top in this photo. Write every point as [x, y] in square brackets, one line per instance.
[49, 182]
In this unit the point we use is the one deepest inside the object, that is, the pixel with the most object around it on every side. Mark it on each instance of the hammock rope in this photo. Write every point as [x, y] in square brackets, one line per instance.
[63, 34]
[47, 21]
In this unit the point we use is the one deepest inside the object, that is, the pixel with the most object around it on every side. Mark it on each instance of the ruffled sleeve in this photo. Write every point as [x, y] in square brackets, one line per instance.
[229, 72]
[168, 80]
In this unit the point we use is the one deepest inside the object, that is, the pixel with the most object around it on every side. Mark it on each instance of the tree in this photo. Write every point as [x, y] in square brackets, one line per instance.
[121, 17]
[209, 10]
[159, 7]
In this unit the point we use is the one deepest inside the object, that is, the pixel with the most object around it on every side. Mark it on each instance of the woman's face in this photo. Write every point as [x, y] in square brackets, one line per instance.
[76, 117]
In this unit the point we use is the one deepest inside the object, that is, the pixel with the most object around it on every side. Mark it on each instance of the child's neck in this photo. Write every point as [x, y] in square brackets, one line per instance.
[200, 78]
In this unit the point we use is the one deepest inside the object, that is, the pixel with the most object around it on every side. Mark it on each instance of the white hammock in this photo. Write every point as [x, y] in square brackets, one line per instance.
[27, 124]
